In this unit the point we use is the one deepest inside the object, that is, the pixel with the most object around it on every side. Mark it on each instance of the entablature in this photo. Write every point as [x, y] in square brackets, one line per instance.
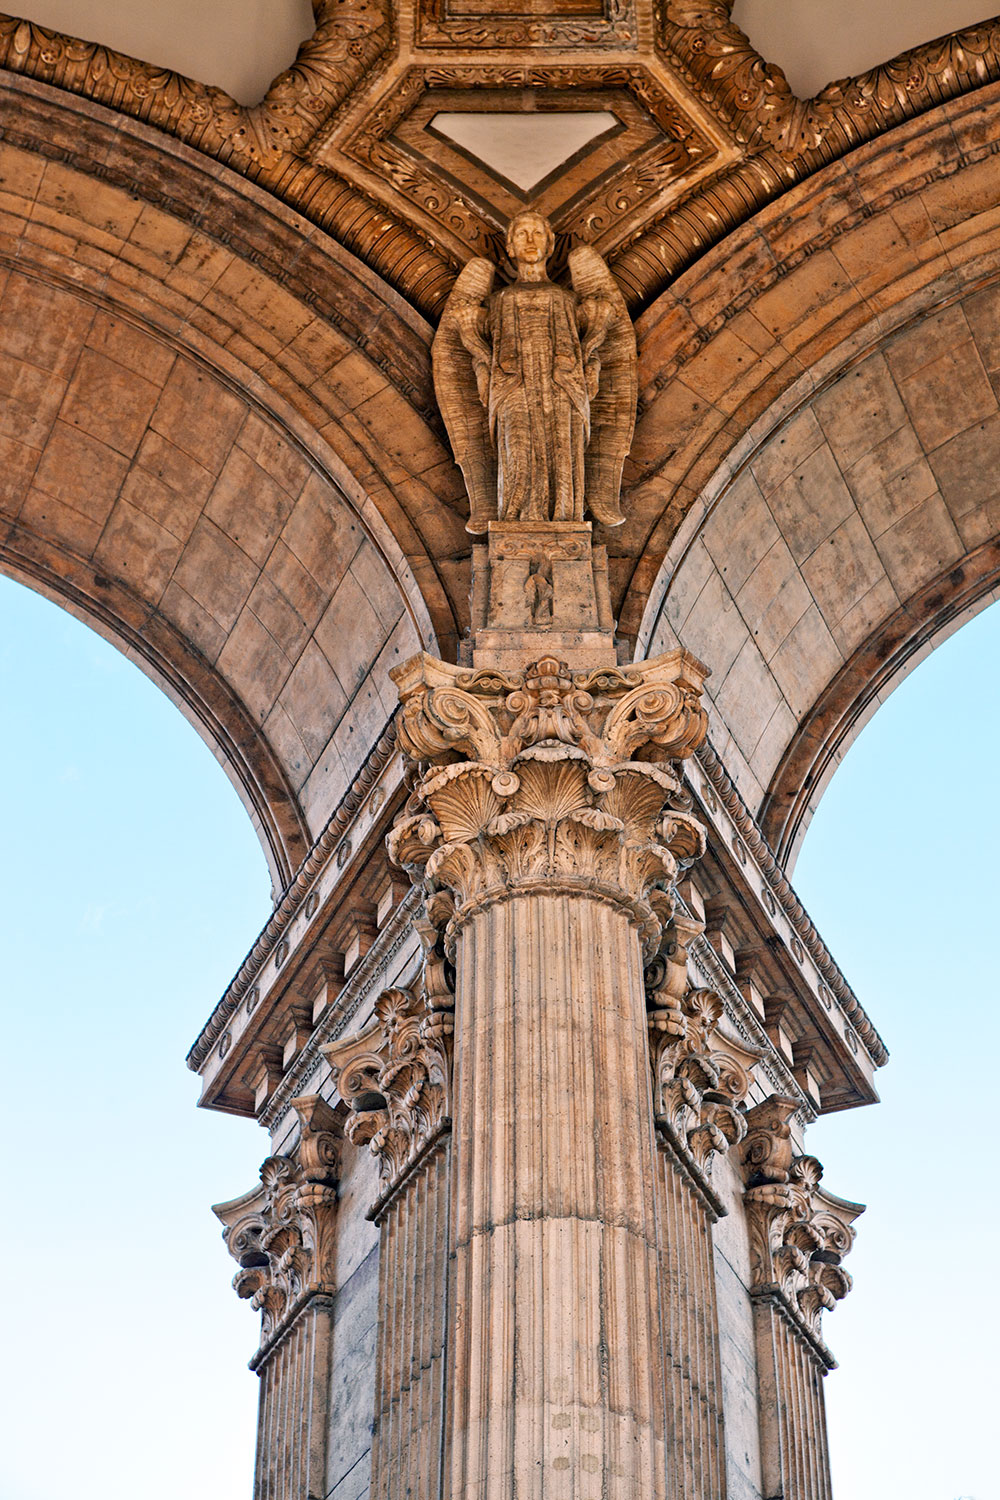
[317, 959]
[761, 936]
[345, 929]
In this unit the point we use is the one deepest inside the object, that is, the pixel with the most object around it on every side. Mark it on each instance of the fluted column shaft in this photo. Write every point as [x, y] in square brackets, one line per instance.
[409, 1372]
[692, 1360]
[551, 818]
[556, 1385]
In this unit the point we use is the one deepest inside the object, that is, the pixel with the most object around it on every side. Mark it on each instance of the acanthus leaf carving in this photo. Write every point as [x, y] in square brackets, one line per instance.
[758, 102]
[799, 1232]
[700, 1075]
[282, 1233]
[570, 779]
[395, 1075]
[346, 42]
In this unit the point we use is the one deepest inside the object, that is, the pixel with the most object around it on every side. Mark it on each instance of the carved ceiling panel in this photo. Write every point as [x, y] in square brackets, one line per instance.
[661, 143]
[527, 23]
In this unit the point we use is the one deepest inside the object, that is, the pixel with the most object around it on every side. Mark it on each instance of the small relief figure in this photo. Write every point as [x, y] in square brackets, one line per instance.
[538, 590]
[537, 385]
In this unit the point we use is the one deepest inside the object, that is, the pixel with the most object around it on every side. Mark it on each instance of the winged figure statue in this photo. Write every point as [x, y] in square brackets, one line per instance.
[537, 385]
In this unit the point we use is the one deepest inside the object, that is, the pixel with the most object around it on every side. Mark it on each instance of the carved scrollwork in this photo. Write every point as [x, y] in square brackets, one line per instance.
[569, 779]
[615, 28]
[395, 1075]
[799, 1233]
[346, 42]
[700, 1077]
[754, 96]
[282, 1233]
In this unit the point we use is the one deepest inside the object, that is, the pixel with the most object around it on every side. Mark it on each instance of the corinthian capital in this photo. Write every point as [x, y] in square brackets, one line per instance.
[549, 777]
[799, 1233]
[700, 1076]
[395, 1078]
[282, 1232]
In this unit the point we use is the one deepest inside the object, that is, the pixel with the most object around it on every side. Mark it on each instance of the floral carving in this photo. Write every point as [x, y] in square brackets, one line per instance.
[799, 1233]
[699, 1077]
[755, 96]
[346, 42]
[395, 1075]
[549, 776]
[615, 28]
[282, 1233]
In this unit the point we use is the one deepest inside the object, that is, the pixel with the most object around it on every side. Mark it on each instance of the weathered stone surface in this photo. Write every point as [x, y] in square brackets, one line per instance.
[219, 441]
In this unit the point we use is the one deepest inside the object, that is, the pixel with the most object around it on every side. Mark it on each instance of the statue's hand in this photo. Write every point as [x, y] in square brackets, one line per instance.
[592, 376]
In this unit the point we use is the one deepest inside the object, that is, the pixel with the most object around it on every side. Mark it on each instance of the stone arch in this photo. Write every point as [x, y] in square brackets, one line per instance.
[814, 281]
[850, 541]
[833, 510]
[216, 451]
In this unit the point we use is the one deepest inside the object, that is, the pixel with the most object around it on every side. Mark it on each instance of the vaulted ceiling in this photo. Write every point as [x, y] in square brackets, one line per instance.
[217, 322]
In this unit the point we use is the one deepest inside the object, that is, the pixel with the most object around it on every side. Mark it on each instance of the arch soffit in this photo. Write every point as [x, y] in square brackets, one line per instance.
[203, 464]
[717, 349]
[852, 524]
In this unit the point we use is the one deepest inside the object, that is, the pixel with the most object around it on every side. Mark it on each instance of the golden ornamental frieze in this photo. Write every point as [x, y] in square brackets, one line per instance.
[710, 131]
[385, 139]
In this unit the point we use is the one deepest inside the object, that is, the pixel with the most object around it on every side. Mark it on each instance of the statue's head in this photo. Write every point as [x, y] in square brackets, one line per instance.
[530, 239]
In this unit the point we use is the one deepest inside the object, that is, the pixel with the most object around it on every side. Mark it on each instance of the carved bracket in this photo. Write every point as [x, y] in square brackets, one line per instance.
[699, 1076]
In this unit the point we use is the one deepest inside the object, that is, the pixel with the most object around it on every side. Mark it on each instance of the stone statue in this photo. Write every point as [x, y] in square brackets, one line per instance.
[537, 385]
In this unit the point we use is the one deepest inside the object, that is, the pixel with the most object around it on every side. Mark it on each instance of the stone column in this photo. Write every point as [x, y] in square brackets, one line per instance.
[283, 1235]
[699, 1079]
[799, 1235]
[396, 1078]
[549, 811]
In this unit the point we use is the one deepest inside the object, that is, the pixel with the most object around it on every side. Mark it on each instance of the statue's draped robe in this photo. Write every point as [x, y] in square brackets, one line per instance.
[539, 410]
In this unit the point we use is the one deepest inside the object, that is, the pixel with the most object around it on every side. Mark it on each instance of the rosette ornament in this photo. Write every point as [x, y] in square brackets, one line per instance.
[551, 780]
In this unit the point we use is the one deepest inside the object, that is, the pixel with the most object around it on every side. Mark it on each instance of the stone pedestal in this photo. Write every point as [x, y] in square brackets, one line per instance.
[535, 577]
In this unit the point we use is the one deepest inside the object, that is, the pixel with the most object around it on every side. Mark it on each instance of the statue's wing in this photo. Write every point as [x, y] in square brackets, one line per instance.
[457, 391]
[612, 408]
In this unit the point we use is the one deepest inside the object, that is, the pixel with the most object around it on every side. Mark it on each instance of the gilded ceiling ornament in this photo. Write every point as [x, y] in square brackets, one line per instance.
[537, 385]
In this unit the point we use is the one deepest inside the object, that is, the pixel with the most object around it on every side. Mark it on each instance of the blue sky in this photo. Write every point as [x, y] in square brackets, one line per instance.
[132, 885]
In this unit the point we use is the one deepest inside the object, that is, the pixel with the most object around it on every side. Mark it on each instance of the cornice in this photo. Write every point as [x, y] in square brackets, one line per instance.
[295, 895]
[369, 975]
[790, 904]
[747, 1027]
